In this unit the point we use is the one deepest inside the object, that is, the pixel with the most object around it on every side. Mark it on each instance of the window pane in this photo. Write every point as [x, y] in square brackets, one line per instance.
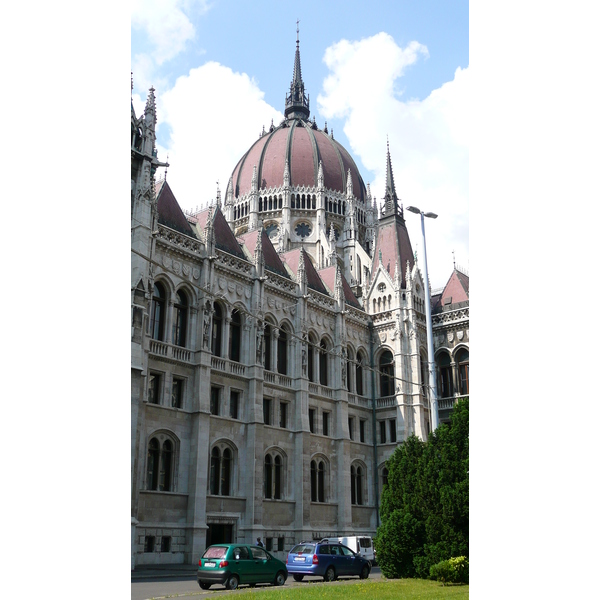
[214, 400]
[234, 404]
[267, 411]
[382, 431]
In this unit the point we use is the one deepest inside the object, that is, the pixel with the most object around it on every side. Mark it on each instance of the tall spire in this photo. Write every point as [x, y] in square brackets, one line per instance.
[296, 102]
[390, 198]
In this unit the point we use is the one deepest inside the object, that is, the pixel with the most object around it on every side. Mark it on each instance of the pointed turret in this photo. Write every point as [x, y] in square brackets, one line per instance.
[339, 290]
[297, 103]
[259, 259]
[301, 276]
[390, 198]
[209, 233]
[332, 257]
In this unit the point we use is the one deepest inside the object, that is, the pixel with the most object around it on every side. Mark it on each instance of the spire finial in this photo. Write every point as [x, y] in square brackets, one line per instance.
[454, 260]
[297, 102]
[391, 199]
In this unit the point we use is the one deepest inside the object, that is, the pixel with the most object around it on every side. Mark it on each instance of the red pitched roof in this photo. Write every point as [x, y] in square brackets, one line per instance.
[292, 259]
[224, 237]
[272, 260]
[169, 211]
[328, 277]
[393, 242]
[456, 290]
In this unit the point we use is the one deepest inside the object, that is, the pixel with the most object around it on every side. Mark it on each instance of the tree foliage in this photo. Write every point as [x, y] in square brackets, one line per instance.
[425, 504]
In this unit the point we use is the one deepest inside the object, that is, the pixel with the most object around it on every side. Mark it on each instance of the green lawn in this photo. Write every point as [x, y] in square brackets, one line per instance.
[387, 589]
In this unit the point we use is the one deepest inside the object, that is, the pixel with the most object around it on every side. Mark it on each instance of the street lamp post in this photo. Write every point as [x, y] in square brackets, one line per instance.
[430, 359]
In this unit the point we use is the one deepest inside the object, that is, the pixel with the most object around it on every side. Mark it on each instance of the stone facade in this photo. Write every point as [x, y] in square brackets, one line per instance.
[271, 378]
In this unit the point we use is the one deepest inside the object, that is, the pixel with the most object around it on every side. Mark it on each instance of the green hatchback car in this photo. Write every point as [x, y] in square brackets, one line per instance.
[235, 564]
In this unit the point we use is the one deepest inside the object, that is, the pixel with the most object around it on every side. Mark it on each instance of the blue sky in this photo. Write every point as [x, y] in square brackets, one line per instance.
[378, 71]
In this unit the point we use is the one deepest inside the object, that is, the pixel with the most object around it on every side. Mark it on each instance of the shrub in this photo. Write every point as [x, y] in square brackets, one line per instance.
[454, 570]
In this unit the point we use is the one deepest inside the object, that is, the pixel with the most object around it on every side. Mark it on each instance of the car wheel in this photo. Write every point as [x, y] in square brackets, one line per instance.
[232, 582]
[329, 574]
[279, 578]
[365, 572]
[298, 577]
[204, 585]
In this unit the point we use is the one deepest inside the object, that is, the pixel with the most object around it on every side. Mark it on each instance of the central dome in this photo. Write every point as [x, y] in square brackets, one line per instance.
[302, 146]
[303, 187]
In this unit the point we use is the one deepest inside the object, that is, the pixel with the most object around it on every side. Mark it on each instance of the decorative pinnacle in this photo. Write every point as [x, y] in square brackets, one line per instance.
[297, 102]
[391, 199]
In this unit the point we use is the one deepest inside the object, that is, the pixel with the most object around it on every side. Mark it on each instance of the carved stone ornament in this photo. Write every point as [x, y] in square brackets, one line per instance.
[222, 283]
[247, 293]
[186, 270]
[450, 336]
[383, 337]
[166, 262]
[177, 267]
[196, 273]
[460, 335]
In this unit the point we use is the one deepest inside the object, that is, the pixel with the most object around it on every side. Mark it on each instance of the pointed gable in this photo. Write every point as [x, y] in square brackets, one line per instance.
[169, 211]
[392, 245]
[456, 291]
[292, 260]
[224, 237]
[272, 261]
[328, 277]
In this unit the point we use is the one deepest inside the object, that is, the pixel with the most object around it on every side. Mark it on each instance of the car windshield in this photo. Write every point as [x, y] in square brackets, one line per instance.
[215, 552]
[302, 549]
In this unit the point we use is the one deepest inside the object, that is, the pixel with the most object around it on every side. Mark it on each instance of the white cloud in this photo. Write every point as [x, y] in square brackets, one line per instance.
[168, 26]
[214, 116]
[428, 140]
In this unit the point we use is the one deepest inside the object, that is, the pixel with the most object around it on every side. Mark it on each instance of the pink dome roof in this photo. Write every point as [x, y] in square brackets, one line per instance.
[303, 146]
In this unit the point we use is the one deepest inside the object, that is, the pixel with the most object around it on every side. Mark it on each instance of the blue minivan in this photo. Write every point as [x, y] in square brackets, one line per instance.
[326, 559]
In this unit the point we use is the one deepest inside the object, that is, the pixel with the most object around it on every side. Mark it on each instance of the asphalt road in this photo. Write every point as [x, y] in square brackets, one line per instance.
[184, 586]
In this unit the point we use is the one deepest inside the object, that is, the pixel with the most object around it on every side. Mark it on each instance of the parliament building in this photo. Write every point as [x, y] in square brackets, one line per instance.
[278, 345]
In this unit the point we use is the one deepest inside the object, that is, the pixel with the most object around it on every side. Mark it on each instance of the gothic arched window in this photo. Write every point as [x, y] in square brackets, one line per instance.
[386, 369]
[221, 466]
[217, 330]
[282, 347]
[323, 360]
[235, 335]
[160, 464]
[180, 319]
[462, 359]
[157, 322]
[317, 481]
[267, 340]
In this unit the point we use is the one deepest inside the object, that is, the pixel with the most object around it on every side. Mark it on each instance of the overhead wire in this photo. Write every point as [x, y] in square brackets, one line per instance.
[318, 348]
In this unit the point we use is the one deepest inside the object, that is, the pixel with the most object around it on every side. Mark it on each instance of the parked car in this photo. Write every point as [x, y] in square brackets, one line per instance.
[361, 544]
[235, 564]
[327, 559]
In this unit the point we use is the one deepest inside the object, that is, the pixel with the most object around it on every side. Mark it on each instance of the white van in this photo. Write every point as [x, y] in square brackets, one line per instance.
[361, 544]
